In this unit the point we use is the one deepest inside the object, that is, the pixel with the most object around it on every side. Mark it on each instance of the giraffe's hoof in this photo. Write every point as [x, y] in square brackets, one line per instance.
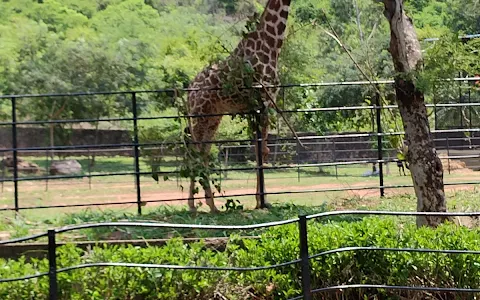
[267, 205]
[214, 210]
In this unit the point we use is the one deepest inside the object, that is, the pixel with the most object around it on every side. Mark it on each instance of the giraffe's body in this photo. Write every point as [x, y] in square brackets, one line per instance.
[260, 50]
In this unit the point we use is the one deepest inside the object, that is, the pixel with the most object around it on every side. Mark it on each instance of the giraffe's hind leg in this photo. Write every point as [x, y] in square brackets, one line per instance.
[209, 199]
[204, 131]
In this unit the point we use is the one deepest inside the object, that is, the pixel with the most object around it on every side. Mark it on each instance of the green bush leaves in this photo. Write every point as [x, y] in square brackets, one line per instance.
[274, 246]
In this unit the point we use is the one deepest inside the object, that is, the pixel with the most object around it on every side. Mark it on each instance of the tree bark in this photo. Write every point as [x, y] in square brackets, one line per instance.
[425, 165]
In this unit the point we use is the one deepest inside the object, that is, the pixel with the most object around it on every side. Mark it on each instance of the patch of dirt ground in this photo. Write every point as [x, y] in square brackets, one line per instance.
[124, 192]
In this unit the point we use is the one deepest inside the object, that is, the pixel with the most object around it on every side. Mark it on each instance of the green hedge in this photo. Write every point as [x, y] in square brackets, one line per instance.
[275, 246]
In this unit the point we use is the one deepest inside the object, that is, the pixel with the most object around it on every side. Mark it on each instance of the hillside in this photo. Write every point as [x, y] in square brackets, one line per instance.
[102, 45]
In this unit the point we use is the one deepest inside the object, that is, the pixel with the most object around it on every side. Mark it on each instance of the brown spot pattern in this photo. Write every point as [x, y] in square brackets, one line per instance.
[270, 41]
[275, 5]
[281, 28]
[271, 30]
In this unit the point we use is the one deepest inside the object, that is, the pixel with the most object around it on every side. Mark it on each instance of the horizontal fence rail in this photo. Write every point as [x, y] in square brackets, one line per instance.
[304, 191]
[303, 261]
[300, 110]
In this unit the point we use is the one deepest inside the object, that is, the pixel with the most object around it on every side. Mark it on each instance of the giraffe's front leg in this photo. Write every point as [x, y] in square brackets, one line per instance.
[191, 197]
[204, 130]
[208, 190]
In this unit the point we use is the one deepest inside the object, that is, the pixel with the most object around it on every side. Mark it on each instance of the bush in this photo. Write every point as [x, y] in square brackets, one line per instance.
[274, 246]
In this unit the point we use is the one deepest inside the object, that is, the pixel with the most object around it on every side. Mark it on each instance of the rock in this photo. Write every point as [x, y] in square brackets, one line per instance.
[370, 173]
[118, 235]
[23, 166]
[4, 236]
[65, 167]
[453, 164]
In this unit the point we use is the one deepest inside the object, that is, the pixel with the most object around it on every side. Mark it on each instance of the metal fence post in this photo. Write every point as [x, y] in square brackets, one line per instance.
[460, 99]
[435, 110]
[225, 164]
[15, 153]
[90, 169]
[334, 157]
[469, 108]
[260, 173]
[47, 167]
[448, 155]
[297, 158]
[305, 262]
[136, 153]
[378, 109]
[221, 166]
[52, 265]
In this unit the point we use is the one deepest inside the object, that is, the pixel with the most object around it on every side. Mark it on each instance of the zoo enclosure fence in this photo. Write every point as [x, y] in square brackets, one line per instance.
[377, 135]
[303, 260]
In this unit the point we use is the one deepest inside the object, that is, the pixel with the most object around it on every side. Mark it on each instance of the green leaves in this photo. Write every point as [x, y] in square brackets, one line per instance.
[89, 45]
[232, 205]
[275, 245]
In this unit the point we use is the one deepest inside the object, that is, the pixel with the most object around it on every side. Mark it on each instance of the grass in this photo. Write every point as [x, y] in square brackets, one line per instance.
[304, 176]
[457, 201]
[183, 216]
[122, 188]
[118, 188]
[285, 207]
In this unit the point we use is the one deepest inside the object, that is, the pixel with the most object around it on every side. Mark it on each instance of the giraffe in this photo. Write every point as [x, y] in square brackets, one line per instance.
[258, 50]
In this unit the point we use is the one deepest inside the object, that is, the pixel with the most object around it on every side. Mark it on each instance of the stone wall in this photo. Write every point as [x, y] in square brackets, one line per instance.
[319, 149]
[30, 137]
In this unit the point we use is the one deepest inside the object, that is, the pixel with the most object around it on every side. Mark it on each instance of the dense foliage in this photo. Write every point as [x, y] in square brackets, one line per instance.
[274, 246]
[90, 45]
[56, 46]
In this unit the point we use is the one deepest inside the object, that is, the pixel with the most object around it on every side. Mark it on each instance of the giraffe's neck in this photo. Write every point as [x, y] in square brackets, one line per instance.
[273, 23]
[270, 32]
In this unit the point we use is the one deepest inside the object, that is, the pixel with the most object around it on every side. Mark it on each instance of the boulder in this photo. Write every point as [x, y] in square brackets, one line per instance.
[4, 235]
[23, 166]
[65, 167]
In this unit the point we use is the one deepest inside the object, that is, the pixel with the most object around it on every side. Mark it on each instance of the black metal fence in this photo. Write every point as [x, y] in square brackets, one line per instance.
[453, 137]
[303, 259]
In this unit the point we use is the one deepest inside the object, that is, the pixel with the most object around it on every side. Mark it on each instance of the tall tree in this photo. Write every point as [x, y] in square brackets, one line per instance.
[425, 165]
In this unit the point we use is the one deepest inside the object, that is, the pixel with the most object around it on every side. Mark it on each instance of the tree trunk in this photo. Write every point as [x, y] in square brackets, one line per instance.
[425, 165]
[53, 116]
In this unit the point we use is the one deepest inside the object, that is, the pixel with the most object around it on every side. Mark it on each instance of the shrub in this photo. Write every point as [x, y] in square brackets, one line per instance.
[274, 246]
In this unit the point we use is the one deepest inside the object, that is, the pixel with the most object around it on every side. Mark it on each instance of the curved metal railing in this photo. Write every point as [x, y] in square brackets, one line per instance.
[303, 260]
